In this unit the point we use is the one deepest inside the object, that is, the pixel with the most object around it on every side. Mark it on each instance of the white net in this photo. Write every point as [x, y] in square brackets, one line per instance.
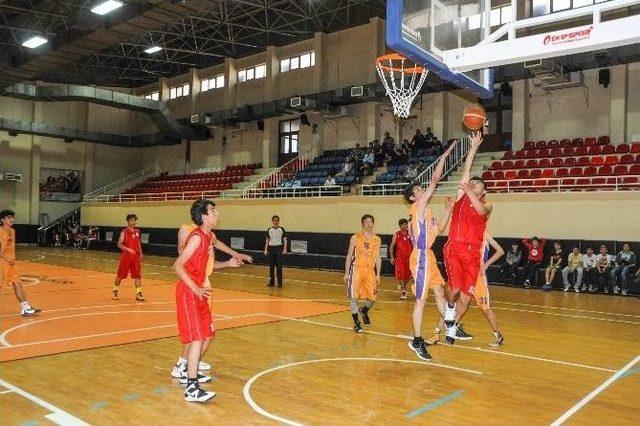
[401, 82]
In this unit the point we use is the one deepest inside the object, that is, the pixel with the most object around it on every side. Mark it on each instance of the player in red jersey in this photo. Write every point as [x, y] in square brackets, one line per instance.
[194, 313]
[400, 250]
[462, 253]
[130, 257]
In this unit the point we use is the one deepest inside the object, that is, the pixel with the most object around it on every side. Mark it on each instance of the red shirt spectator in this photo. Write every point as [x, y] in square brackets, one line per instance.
[535, 246]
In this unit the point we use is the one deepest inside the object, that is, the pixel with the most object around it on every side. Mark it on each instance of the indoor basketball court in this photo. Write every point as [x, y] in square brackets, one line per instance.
[492, 146]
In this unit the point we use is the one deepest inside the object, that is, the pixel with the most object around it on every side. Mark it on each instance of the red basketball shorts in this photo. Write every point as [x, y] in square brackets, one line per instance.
[129, 265]
[462, 262]
[194, 315]
[403, 271]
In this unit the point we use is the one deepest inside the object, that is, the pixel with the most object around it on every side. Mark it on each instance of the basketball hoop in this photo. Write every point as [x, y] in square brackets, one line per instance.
[402, 79]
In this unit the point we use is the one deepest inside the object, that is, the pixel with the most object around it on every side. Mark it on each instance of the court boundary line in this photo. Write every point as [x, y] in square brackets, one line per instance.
[57, 415]
[246, 390]
[584, 401]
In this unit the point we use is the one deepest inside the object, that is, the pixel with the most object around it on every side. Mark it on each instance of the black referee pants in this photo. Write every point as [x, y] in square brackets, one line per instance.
[275, 264]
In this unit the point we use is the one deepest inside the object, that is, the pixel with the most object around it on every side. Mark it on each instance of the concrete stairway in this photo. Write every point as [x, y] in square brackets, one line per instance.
[248, 180]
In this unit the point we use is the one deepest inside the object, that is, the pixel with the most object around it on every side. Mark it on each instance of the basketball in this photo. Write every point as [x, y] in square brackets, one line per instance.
[474, 117]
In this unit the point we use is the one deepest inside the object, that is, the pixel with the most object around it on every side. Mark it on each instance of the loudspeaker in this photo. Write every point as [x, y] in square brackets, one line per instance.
[261, 125]
[304, 119]
[604, 77]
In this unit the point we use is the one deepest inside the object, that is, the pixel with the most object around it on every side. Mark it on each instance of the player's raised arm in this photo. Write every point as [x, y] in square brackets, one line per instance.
[476, 140]
[347, 262]
[437, 173]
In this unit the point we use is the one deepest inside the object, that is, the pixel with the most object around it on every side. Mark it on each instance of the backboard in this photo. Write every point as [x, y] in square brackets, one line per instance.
[423, 29]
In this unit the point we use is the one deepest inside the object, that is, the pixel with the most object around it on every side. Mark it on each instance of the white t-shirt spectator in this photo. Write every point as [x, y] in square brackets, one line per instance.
[330, 181]
[609, 259]
[368, 158]
[589, 261]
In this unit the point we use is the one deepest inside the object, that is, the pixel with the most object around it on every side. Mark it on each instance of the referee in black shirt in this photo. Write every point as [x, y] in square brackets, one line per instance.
[274, 247]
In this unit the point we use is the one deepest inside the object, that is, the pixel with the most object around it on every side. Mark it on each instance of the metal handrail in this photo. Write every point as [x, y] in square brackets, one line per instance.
[166, 196]
[120, 182]
[300, 159]
[559, 184]
[301, 191]
[44, 229]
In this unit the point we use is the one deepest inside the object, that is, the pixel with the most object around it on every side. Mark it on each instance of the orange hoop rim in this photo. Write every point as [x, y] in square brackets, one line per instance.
[397, 57]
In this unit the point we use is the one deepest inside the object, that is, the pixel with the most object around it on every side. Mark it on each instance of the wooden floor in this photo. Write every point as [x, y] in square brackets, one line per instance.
[289, 355]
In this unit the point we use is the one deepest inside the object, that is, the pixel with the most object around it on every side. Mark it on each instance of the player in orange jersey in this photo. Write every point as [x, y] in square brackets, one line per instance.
[362, 270]
[424, 229]
[179, 370]
[8, 262]
[130, 258]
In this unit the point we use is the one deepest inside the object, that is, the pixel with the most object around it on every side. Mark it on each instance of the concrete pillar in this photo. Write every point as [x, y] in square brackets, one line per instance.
[320, 69]
[270, 143]
[272, 86]
[194, 82]
[163, 88]
[34, 178]
[373, 121]
[619, 86]
[376, 46]
[232, 81]
[520, 126]
[440, 115]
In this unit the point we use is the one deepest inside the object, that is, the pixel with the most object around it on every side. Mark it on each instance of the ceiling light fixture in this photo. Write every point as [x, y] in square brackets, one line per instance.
[106, 7]
[153, 49]
[34, 42]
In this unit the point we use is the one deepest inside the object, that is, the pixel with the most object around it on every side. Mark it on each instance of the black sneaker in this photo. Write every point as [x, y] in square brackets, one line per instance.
[357, 328]
[462, 335]
[114, 295]
[365, 316]
[420, 349]
[270, 285]
[450, 340]
[195, 393]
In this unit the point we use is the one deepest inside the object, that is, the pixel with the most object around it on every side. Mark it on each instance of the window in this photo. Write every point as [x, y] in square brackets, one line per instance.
[253, 73]
[289, 136]
[498, 16]
[304, 60]
[212, 83]
[544, 7]
[179, 91]
[154, 96]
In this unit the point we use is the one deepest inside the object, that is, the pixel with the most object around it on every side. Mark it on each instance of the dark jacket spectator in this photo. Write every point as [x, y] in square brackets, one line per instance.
[512, 262]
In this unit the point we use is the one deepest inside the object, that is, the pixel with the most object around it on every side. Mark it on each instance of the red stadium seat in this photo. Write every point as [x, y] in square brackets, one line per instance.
[583, 161]
[529, 145]
[565, 143]
[623, 148]
[532, 153]
[598, 182]
[498, 175]
[637, 159]
[496, 165]
[557, 162]
[487, 175]
[518, 164]
[570, 161]
[608, 149]
[597, 160]
[590, 171]
[531, 163]
[626, 159]
[635, 169]
[541, 144]
[562, 172]
[590, 141]
[575, 171]
[508, 155]
[553, 143]
[605, 171]
[620, 170]
[555, 152]
[581, 150]
[631, 180]
[603, 140]
[577, 142]
[543, 152]
[520, 154]
[583, 182]
[548, 173]
[523, 174]
[510, 174]
[507, 164]
[611, 160]
[535, 174]
[568, 151]
[635, 148]
[568, 182]
[540, 183]
[545, 162]
[593, 150]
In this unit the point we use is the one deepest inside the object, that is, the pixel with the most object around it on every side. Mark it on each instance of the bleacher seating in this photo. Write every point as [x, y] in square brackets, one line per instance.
[575, 165]
[330, 162]
[211, 182]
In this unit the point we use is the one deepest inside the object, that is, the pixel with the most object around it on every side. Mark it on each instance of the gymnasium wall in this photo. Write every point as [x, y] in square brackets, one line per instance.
[606, 216]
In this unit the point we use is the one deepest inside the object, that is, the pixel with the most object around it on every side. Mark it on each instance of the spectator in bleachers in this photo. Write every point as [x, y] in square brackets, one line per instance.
[413, 171]
[589, 268]
[428, 134]
[357, 153]
[555, 264]
[347, 167]
[388, 143]
[625, 263]
[378, 155]
[92, 235]
[435, 147]
[330, 181]
[575, 262]
[510, 268]
[418, 141]
[297, 183]
[368, 162]
[534, 258]
[604, 262]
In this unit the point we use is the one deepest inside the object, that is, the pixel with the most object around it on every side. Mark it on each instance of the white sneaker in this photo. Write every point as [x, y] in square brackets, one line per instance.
[452, 331]
[30, 312]
[177, 370]
[576, 289]
[196, 394]
[616, 290]
[625, 292]
[203, 366]
[566, 287]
